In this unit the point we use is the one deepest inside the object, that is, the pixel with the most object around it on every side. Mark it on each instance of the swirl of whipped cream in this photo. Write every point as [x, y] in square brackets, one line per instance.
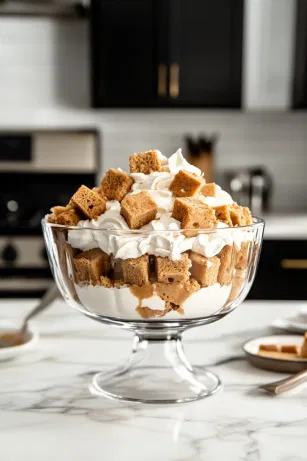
[163, 160]
[177, 162]
[158, 238]
[157, 184]
[158, 180]
[221, 198]
[210, 244]
[87, 238]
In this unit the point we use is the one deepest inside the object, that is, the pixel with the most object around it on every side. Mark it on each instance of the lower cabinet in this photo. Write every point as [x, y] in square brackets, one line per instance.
[282, 271]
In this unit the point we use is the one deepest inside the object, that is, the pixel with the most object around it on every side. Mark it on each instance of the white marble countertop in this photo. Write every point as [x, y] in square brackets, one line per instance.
[48, 414]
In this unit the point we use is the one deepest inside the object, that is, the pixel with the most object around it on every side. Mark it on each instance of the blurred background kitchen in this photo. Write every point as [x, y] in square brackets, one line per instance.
[85, 84]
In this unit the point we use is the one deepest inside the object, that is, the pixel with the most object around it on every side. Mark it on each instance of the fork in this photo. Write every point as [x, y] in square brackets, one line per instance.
[284, 385]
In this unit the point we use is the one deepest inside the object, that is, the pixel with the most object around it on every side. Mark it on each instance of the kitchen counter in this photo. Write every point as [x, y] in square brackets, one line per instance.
[48, 414]
[285, 226]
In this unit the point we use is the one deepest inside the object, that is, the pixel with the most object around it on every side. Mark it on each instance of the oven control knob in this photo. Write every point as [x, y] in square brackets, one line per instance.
[9, 253]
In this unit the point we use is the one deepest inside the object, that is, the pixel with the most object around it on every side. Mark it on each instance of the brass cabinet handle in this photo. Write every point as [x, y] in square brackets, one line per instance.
[174, 81]
[293, 263]
[162, 80]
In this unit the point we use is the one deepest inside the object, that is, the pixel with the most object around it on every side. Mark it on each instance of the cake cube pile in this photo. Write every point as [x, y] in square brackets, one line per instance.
[233, 215]
[188, 204]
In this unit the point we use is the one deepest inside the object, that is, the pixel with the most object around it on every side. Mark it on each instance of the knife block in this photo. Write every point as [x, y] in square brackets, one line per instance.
[203, 161]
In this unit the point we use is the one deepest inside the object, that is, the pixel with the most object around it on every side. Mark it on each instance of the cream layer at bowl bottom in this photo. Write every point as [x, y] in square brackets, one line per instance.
[121, 303]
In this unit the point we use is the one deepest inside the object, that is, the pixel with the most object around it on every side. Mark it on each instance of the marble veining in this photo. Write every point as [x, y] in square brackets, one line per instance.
[47, 412]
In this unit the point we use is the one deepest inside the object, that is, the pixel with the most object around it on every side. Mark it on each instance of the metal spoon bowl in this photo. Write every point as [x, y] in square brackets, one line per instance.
[16, 338]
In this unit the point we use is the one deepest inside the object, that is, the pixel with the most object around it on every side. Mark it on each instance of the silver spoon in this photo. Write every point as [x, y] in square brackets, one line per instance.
[13, 338]
[284, 385]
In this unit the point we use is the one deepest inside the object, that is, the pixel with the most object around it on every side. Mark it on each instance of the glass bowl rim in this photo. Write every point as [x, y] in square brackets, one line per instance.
[257, 223]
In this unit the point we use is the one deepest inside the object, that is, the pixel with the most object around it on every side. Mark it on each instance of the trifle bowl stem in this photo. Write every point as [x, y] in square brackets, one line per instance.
[157, 371]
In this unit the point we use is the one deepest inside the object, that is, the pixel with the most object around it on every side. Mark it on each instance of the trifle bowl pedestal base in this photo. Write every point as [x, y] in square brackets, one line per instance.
[157, 371]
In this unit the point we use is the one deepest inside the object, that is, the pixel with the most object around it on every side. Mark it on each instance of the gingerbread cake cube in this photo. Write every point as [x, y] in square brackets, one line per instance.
[222, 214]
[115, 185]
[55, 212]
[237, 215]
[290, 349]
[89, 202]
[227, 258]
[270, 347]
[248, 216]
[177, 292]
[98, 191]
[204, 270]
[69, 217]
[138, 209]
[169, 271]
[145, 162]
[193, 213]
[242, 256]
[209, 189]
[304, 347]
[238, 283]
[186, 184]
[90, 265]
[136, 270]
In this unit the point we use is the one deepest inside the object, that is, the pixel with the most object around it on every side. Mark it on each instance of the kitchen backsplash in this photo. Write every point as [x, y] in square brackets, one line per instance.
[44, 82]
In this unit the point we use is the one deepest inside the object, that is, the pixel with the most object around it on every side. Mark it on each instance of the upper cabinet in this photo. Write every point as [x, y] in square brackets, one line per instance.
[166, 53]
[123, 41]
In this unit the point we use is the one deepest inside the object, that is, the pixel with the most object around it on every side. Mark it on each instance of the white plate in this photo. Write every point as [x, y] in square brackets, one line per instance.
[293, 324]
[7, 353]
[303, 312]
[273, 363]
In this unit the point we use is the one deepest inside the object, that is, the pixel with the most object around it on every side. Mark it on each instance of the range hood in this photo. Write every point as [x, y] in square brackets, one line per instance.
[57, 8]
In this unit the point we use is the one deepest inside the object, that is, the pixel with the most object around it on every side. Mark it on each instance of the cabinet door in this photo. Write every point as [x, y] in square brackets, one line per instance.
[300, 57]
[206, 52]
[282, 271]
[124, 54]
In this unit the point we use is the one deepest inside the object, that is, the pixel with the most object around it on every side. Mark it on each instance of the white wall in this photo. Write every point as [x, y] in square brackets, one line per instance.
[44, 82]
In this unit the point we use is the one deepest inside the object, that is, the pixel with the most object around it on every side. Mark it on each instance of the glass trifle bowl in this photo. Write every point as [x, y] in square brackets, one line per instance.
[157, 284]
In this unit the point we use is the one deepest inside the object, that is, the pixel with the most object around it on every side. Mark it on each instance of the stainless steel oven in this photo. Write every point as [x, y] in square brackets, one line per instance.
[37, 170]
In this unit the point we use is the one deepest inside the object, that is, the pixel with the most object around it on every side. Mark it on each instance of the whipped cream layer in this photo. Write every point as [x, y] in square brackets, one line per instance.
[120, 303]
[162, 236]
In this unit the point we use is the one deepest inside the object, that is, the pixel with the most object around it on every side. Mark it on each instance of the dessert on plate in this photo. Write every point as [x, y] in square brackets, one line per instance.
[284, 351]
[157, 242]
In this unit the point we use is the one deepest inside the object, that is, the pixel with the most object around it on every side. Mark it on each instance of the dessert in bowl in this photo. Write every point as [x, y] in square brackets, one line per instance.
[157, 250]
